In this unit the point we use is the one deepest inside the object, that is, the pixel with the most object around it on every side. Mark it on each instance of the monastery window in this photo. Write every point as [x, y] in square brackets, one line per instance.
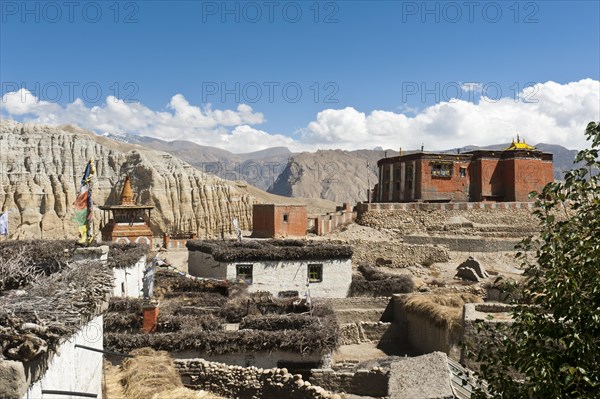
[462, 171]
[285, 218]
[441, 169]
[397, 185]
[315, 273]
[244, 272]
[410, 185]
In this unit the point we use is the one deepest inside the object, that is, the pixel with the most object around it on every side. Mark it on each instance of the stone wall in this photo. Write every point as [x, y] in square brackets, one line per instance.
[263, 359]
[372, 383]
[429, 206]
[394, 254]
[463, 244]
[367, 331]
[475, 316]
[366, 309]
[248, 382]
[503, 219]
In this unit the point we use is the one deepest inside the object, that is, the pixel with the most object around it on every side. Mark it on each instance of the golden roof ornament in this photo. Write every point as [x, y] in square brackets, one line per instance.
[519, 145]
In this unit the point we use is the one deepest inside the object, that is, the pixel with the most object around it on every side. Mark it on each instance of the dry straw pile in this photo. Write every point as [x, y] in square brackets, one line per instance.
[444, 309]
[148, 375]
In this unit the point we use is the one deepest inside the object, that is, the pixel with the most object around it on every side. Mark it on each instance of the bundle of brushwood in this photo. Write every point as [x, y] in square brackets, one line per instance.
[228, 251]
[266, 323]
[279, 322]
[168, 283]
[23, 261]
[126, 255]
[35, 319]
[372, 282]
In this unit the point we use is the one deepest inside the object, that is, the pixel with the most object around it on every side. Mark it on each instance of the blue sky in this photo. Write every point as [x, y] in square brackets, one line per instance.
[366, 56]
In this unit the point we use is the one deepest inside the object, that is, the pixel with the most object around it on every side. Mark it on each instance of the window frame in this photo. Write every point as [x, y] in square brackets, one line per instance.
[319, 273]
[442, 169]
[286, 218]
[241, 276]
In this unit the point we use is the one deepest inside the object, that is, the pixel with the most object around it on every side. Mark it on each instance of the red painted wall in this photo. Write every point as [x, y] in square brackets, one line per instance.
[434, 188]
[268, 220]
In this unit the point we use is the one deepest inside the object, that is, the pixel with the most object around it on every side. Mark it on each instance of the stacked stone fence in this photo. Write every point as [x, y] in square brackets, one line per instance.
[443, 206]
[481, 323]
[372, 383]
[248, 382]
[463, 244]
[396, 254]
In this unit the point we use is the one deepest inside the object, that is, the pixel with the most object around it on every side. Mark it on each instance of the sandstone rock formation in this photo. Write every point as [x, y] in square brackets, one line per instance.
[41, 167]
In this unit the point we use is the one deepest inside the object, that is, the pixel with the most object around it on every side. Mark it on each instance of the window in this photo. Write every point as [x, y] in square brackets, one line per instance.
[244, 272]
[315, 273]
[462, 171]
[441, 169]
[285, 218]
[397, 185]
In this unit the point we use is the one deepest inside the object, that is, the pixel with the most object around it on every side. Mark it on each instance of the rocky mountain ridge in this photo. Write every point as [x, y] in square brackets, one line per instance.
[41, 166]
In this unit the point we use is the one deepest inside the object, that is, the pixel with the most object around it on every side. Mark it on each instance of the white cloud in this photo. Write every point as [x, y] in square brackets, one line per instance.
[549, 112]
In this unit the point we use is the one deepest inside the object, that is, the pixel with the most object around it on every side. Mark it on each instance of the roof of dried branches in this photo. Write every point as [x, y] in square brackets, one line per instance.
[126, 255]
[257, 250]
[193, 314]
[34, 320]
[23, 261]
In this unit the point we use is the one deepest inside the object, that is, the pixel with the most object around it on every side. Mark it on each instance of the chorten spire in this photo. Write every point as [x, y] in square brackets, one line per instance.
[127, 194]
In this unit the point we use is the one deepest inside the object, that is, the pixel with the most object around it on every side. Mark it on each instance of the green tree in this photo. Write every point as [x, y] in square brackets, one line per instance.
[552, 350]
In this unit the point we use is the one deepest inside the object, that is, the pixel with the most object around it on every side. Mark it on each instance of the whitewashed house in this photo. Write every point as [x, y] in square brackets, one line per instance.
[53, 334]
[281, 267]
[129, 274]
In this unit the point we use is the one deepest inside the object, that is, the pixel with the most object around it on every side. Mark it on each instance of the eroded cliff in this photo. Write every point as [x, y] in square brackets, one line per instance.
[41, 166]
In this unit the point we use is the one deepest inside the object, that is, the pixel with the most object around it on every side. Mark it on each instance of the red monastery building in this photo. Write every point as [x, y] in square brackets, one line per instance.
[481, 175]
[127, 222]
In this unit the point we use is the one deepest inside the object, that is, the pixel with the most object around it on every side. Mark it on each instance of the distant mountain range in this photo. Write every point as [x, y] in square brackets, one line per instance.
[260, 168]
[334, 175]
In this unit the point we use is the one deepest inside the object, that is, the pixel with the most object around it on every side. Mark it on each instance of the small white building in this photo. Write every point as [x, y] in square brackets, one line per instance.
[128, 278]
[278, 266]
